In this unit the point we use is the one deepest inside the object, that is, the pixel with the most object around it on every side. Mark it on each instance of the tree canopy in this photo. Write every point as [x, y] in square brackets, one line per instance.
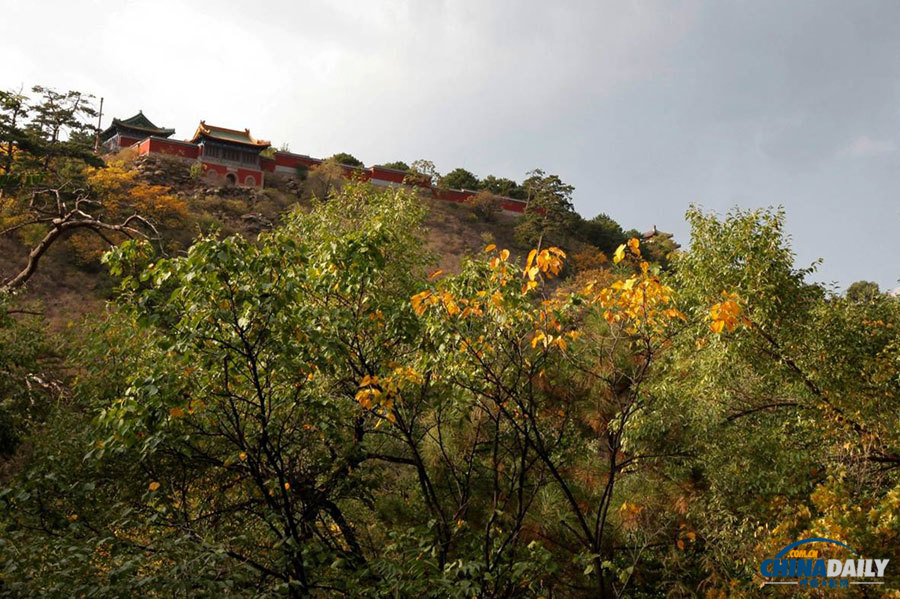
[348, 159]
[398, 165]
[459, 178]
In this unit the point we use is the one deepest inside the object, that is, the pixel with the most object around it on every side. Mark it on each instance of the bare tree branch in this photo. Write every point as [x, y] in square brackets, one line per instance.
[66, 220]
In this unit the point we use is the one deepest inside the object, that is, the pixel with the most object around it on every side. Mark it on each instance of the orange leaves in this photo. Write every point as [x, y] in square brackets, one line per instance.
[684, 533]
[633, 244]
[630, 513]
[421, 301]
[726, 315]
[640, 301]
[368, 394]
[379, 394]
[471, 308]
[453, 306]
[549, 262]
[368, 397]
[121, 192]
[498, 264]
[497, 300]
[547, 341]
[588, 260]
[450, 304]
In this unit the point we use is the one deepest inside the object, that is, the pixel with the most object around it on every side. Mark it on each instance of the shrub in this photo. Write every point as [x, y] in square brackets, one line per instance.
[485, 206]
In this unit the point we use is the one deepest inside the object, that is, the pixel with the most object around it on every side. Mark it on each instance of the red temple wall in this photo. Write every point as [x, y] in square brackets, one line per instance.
[286, 162]
[220, 171]
[157, 145]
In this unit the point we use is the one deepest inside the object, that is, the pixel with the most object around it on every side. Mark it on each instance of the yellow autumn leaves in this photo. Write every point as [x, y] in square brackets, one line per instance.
[379, 394]
[547, 263]
[639, 302]
[633, 244]
[727, 314]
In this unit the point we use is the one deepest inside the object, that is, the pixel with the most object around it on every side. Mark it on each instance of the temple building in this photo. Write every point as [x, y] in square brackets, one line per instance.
[235, 157]
[126, 132]
[231, 154]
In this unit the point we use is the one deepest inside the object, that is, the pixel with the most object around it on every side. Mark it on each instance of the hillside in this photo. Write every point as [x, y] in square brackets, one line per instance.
[67, 286]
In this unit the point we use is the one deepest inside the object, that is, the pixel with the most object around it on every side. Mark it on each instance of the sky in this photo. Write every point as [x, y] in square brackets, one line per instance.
[646, 107]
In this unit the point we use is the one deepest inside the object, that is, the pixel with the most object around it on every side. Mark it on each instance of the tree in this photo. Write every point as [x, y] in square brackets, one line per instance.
[459, 178]
[28, 376]
[772, 396]
[603, 232]
[111, 205]
[311, 414]
[425, 171]
[347, 159]
[485, 206]
[306, 415]
[397, 165]
[863, 291]
[502, 187]
[237, 429]
[61, 126]
[549, 215]
[13, 113]
[324, 180]
[54, 188]
[566, 377]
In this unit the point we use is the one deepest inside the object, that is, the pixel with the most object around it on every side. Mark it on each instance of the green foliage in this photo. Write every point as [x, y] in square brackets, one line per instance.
[778, 415]
[425, 171]
[502, 187]
[26, 365]
[307, 414]
[398, 165]
[347, 159]
[863, 291]
[485, 206]
[459, 178]
[603, 232]
[549, 216]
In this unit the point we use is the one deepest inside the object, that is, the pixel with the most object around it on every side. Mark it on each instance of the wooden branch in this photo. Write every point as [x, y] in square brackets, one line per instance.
[769, 406]
[76, 219]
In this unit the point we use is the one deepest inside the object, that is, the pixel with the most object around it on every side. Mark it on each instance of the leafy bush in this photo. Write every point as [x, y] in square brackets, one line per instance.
[485, 206]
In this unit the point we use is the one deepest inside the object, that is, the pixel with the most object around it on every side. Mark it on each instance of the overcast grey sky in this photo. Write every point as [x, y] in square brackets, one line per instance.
[646, 107]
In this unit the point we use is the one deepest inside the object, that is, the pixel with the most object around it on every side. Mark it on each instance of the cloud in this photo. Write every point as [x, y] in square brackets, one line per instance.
[864, 146]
